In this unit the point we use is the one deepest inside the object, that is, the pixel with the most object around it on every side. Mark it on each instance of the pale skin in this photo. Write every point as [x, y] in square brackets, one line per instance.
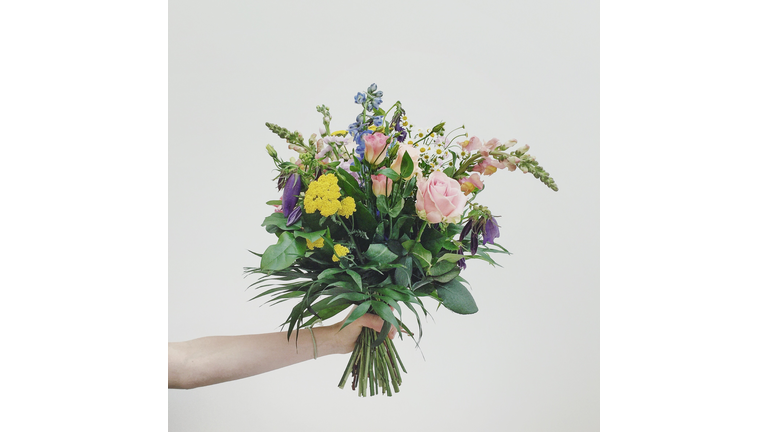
[216, 359]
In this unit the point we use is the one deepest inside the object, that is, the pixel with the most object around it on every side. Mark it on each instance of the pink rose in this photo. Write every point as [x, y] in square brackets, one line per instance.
[471, 183]
[413, 153]
[382, 185]
[439, 199]
[375, 148]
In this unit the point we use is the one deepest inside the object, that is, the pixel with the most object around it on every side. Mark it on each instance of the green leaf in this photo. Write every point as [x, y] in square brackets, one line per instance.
[448, 276]
[380, 253]
[381, 204]
[382, 334]
[356, 277]
[449, 171]
[389, 173]
[275, 202]
[397, 208]
[453, 258]
[277, 219]
[441, 267]
[406, 166]
[456, 297]
[357, 313]
[382, 309]
[328, 273]
[364, 219]
[284, 253]
[422, 255]
[349, 185]
[311, 236]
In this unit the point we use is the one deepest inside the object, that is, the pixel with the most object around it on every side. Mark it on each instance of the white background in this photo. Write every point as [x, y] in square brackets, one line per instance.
[86, 239]
[529, 360]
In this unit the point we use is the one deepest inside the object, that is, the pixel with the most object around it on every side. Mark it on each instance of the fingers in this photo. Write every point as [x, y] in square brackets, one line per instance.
[376, 323]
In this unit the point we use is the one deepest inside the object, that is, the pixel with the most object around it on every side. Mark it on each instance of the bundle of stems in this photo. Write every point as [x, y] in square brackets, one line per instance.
[373, 366]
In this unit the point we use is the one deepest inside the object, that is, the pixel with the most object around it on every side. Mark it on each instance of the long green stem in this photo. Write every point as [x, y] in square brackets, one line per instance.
[373, 370]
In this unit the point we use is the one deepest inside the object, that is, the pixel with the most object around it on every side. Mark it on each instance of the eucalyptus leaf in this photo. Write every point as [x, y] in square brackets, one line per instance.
[448, 276]
[456, 297]
[451, 257]
[380, 253]
[422, 255]
[441, 267]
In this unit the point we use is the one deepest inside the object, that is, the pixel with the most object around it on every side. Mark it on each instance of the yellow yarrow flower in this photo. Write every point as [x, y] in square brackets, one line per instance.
[315, 244]
[347, 207]
[323, 194]
[339, 251]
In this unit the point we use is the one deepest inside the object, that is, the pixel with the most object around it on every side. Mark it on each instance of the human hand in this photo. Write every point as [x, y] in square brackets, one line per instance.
[344, 339]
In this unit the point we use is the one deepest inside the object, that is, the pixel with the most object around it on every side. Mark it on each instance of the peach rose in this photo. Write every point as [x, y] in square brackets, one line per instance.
[439, 199]
[413, 153]
[375, 148]
[382, 185]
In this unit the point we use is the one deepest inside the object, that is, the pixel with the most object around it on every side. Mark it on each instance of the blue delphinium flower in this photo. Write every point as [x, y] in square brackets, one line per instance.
[372, 88]
[375, 103]
[378, 120]
[360, 98]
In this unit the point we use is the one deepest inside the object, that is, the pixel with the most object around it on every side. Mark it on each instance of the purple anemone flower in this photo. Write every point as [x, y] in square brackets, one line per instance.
[294, 216]
[291, 193]
[490, 230]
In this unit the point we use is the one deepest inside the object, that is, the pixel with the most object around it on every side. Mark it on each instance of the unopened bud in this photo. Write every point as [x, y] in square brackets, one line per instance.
[271, 150]
[296, 148]
[523, 168]
[523, 149]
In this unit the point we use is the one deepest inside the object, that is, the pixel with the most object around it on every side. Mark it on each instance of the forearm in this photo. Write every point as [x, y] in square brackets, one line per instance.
[216, 359]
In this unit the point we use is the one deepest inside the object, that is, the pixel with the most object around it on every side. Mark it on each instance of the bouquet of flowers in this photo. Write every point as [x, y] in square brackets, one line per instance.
[380, 216]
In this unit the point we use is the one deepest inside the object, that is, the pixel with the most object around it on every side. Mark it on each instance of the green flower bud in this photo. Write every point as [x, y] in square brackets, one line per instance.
[271, 150]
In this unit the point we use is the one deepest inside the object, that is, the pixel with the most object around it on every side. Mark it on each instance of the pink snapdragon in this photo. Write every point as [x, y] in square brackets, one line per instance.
[471, 144]
[471, 183]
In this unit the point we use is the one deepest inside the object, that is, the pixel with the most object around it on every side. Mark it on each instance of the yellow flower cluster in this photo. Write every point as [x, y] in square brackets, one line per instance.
[323, 194]
[339, 251]
[316, 244]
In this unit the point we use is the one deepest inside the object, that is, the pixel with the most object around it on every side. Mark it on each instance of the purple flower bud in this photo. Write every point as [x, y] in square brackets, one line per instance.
[490, 230]
[462, 262]
[466, 229]
[294, 216]
[473, 244]
[291, 193]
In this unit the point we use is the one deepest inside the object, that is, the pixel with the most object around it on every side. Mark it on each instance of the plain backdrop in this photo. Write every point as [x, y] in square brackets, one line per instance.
[529, 359]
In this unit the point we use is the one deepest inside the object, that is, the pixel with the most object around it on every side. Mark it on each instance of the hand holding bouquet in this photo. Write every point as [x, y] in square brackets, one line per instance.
[380, 216]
